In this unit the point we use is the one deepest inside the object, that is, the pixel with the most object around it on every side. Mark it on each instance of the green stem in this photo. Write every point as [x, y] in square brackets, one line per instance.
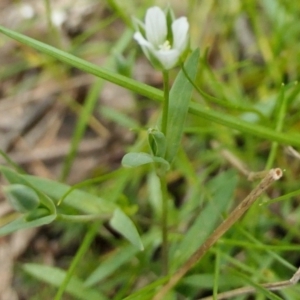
[217, 273]
[164, 225]
[164, 122]
[223, 102]
[53, 32]
[280, 118]
[84, 246]
[10, 162]
[163, 182]
[48, 14]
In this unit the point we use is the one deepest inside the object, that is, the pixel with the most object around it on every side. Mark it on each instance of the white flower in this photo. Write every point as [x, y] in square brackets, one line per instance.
[163, 40]
[58, 17]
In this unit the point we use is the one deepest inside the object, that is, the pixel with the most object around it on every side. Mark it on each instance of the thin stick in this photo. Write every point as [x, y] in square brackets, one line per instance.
[275, 286]
[238, 164]
[291, 151]
[273, 175]
[231, 158]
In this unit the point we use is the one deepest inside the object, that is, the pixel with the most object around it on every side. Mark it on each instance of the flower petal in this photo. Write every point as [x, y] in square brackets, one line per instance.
[146, 46]
[180, 29]
[168, 59]
[156, 26]
[141, 40]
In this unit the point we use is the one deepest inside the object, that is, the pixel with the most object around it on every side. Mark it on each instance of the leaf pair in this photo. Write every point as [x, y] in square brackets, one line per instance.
[49, 193]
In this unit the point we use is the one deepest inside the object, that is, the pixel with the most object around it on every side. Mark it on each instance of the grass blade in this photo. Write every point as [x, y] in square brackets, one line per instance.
[180, 95]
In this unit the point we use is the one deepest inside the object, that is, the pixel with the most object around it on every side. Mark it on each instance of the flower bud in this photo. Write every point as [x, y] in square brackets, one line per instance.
[157, 142]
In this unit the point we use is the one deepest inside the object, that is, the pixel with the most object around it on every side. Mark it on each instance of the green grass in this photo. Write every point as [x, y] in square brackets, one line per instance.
[246, 97]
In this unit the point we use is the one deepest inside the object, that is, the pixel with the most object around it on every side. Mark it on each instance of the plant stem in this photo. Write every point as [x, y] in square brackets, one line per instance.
[53, 32]
[163, 182]
[217, 273]
[164, 225]
[164, 122]
[84, 246]
[280, 119]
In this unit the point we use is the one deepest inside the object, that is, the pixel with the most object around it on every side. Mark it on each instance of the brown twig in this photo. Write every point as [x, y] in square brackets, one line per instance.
[273, 175]
[275, 286]
[291, 151]
[238, 164]
[231, 158]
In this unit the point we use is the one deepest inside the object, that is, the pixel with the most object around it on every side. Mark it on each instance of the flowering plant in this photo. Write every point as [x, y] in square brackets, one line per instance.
[163, 39]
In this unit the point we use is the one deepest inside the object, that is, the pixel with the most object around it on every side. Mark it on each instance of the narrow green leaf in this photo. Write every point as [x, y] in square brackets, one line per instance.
[221, 189]
[154, 192]
[136, 159]
[83, 248]
[155, 94]
[157, 142]
[9, 160]
[21, 223]
[217, 274]
[281, 114]
[22, 198]
[55, 277]
[180, 95]
[238, 124]
[262, 290]
[118, 259]
[83, 65]
[111, 265]
[206, 279]
[147, 292]
[81, 125]
[122, 223]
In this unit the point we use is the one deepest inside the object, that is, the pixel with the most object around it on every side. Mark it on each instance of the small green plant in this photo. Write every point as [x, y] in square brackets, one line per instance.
[187, 237]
